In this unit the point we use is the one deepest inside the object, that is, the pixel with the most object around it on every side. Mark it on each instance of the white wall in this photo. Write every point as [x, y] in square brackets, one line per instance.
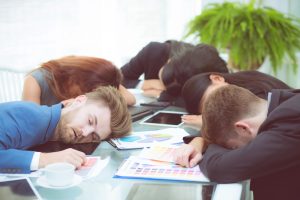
[34, 31]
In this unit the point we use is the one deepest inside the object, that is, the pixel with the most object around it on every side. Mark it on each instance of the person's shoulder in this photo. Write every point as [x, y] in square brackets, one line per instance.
[39, 74]
[19, 109]
[284, 104]
[17, 105]
[37, 71]
[30, 111]
[286, 93]
[156, 45]
[27, 106]
[252, 73]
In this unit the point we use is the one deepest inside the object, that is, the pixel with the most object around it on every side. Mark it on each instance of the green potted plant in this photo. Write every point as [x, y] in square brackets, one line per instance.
[250, 32]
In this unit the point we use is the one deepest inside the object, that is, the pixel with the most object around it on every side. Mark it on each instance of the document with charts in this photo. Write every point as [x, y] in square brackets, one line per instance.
[144, 168]
[135, 167]
[148, 138]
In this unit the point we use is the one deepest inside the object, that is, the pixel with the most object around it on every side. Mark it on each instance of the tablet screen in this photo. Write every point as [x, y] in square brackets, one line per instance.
[166, 118]
[17, 189]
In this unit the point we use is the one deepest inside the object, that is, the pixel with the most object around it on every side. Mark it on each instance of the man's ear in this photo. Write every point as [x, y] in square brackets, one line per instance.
[242, 128]
[216, 78]
[79, 100]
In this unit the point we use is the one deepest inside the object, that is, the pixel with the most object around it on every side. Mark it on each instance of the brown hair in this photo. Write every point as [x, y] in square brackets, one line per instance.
[120, 122]
[71, 76]
[223, 107]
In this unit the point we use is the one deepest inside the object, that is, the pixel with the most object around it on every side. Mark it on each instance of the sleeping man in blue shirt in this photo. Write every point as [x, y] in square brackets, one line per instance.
[92, 117]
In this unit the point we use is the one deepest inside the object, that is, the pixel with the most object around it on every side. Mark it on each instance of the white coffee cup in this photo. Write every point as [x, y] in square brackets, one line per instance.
[59, 174]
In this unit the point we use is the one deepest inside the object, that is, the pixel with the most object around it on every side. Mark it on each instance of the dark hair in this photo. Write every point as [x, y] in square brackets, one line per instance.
[86, 73]
[199, 59]
[178, 47]
[257, 82]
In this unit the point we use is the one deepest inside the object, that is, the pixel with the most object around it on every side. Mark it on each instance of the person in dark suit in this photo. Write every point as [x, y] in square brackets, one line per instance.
[252, 138]
[166, 66]
[92, 117]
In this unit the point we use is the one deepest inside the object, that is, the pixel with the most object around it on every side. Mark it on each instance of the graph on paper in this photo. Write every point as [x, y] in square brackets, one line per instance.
[136, 167]
[148, 138]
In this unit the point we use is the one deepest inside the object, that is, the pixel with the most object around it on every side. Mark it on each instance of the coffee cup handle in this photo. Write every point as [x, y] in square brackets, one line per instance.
[42, 171]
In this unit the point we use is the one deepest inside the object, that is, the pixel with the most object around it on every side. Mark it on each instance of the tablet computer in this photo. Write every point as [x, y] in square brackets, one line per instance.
[164, 118]
[18, 189]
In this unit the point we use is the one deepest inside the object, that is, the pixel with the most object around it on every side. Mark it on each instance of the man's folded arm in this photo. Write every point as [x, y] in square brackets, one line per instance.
[15, 161]
[268, 153]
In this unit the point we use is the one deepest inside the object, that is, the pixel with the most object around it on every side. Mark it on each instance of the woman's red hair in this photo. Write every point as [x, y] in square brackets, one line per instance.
[75, 75]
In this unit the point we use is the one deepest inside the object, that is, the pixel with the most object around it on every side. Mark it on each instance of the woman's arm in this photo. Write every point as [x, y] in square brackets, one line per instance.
[152, 88]
[130, 99]
[31, 90]
[151, 84]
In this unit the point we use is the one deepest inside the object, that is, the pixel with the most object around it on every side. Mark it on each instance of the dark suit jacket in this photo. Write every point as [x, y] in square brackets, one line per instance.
[148, 62]
[271, 160]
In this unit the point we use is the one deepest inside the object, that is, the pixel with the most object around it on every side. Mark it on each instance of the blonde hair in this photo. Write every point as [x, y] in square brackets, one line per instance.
[120, 118]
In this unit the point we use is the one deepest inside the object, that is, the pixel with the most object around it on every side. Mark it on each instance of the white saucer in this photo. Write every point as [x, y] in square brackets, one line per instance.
[42, 181]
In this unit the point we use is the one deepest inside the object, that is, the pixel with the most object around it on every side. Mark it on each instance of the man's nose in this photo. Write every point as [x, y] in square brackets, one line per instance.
[87, 130]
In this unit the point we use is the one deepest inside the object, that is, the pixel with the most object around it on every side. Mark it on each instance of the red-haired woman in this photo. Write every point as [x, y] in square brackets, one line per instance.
[65, 78]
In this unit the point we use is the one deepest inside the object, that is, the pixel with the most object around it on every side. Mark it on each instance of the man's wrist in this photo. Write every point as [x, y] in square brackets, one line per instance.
[43, 160]
[198, 143]
[35, 161]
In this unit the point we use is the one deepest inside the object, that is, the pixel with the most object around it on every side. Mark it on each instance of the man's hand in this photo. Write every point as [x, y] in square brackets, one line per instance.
[192, 119]
[187, 155]
[72, 156]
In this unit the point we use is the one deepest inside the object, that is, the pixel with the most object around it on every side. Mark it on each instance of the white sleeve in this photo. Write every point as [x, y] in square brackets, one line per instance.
[35, 161]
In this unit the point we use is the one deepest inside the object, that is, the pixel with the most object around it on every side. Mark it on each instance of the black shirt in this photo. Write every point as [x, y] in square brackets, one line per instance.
[148, 62]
